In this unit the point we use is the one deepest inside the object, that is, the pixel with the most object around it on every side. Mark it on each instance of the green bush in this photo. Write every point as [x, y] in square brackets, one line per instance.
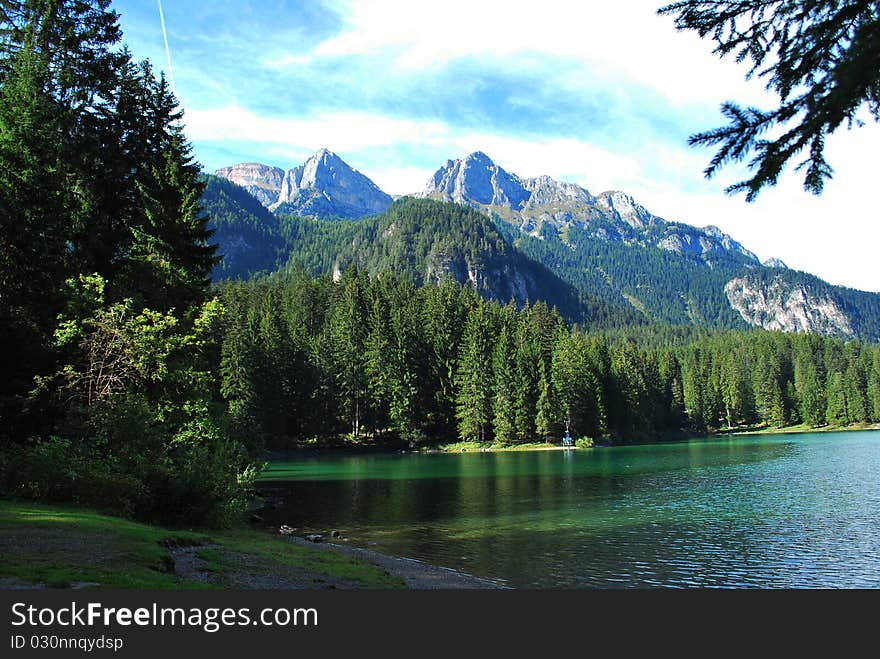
[58, 470]
[204, 479]
[584, 442]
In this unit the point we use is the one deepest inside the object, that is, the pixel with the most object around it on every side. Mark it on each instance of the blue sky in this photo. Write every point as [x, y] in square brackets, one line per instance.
[597, 93]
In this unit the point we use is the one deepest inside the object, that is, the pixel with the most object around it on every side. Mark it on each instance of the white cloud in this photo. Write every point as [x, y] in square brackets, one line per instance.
[835, 236]
[400, 180]
[343, 131]
[633, 43]
[351, 133]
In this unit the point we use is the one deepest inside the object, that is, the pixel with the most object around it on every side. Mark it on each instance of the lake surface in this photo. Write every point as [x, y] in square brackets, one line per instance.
[791, 511]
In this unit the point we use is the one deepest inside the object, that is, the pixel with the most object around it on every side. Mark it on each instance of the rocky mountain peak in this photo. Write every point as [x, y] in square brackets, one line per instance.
[262, 181]
[530, 203]
[323, 185]
[476, 181]
[623, 207]
[481, 158]
[775, 263]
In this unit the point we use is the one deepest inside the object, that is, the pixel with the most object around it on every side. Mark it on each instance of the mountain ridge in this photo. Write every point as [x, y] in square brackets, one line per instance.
[606, 245]
[323, 186]
[531, 203]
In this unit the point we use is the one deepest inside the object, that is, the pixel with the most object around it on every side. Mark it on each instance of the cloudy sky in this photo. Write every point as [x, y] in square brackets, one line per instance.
[603, 94]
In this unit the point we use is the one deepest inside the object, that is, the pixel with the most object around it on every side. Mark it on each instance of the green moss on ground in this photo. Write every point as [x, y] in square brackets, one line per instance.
[64, 547]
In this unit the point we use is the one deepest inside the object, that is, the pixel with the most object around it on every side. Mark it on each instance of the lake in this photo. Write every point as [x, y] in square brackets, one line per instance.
[780, 511]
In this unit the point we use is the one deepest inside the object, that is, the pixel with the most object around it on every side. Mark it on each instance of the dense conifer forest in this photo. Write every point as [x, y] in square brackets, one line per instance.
[378, 359]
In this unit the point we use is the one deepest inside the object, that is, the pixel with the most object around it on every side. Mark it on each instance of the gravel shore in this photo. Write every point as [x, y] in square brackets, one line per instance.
[416, 574]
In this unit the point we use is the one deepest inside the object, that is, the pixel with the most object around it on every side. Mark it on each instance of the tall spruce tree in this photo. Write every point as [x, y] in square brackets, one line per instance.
[506, 381]
[348, 334]
[474, 376]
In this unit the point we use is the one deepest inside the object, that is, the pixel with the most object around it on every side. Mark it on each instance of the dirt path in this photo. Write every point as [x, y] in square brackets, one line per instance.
[249, 571]
[416, 574]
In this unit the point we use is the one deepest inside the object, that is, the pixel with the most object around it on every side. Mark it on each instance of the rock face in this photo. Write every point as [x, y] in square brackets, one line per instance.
[478, 181]
[262, 181]
[323, 186]
[775, 263]
[531, 203]
[781, 305]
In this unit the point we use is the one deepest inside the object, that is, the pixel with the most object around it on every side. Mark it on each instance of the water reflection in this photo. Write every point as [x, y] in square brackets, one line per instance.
[787, 512]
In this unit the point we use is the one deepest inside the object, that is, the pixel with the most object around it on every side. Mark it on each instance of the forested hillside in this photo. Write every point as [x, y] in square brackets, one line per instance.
[624, 280]
[664, 285]
[422, 240]
[427, 242]
[248, 236]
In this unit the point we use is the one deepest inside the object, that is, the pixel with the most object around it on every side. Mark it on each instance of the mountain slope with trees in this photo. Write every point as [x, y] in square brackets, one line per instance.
[639, 276]
[423, 240]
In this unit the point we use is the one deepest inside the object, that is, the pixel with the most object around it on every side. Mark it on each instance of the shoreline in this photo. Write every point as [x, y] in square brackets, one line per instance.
[473, 447]
[416, 574]
[798, 430]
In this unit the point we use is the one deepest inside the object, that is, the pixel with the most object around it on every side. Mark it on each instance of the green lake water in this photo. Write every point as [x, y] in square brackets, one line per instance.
[789, 511]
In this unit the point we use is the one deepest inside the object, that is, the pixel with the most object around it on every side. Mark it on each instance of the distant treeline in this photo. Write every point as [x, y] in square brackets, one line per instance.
[380, 359]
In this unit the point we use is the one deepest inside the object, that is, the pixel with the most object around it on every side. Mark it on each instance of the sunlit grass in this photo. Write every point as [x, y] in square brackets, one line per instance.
[62, 547]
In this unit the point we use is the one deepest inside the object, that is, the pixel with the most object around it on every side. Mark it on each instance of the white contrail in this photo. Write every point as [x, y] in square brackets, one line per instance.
[167, 49]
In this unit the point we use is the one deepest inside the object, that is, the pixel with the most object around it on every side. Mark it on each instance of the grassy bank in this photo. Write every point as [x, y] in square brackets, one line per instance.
[475, 447]
[66, 547]
[466, 447]
[800, 428]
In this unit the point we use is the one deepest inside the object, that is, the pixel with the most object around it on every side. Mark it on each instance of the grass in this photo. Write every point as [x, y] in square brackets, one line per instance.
[799, 428]
[62, 547]
[466, 447]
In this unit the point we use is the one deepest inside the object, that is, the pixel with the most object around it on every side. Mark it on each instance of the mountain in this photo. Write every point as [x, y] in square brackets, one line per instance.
[261, 181]
[532, 203]
[522, 239]
[427, 242]
[323, 186]
[775, 263]
[249, 236]
[610, 246]
[799, 302]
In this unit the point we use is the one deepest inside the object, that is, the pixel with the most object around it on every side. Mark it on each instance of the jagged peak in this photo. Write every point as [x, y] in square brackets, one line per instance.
[241, 166]
[480, 157]
[325, 154]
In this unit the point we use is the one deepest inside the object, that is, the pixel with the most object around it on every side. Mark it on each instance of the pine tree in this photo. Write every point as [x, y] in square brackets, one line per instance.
[238, 364]
[377, 365]
[443, 319]
[171, 255]
[736, 385]
[474, 377]
[874, 387]
[769, 398]
[528, 362]
[348, 340]
[837, 410]
[578, 371]
[547, 415]
[819, 56]
[856, 392]
[506, 381]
